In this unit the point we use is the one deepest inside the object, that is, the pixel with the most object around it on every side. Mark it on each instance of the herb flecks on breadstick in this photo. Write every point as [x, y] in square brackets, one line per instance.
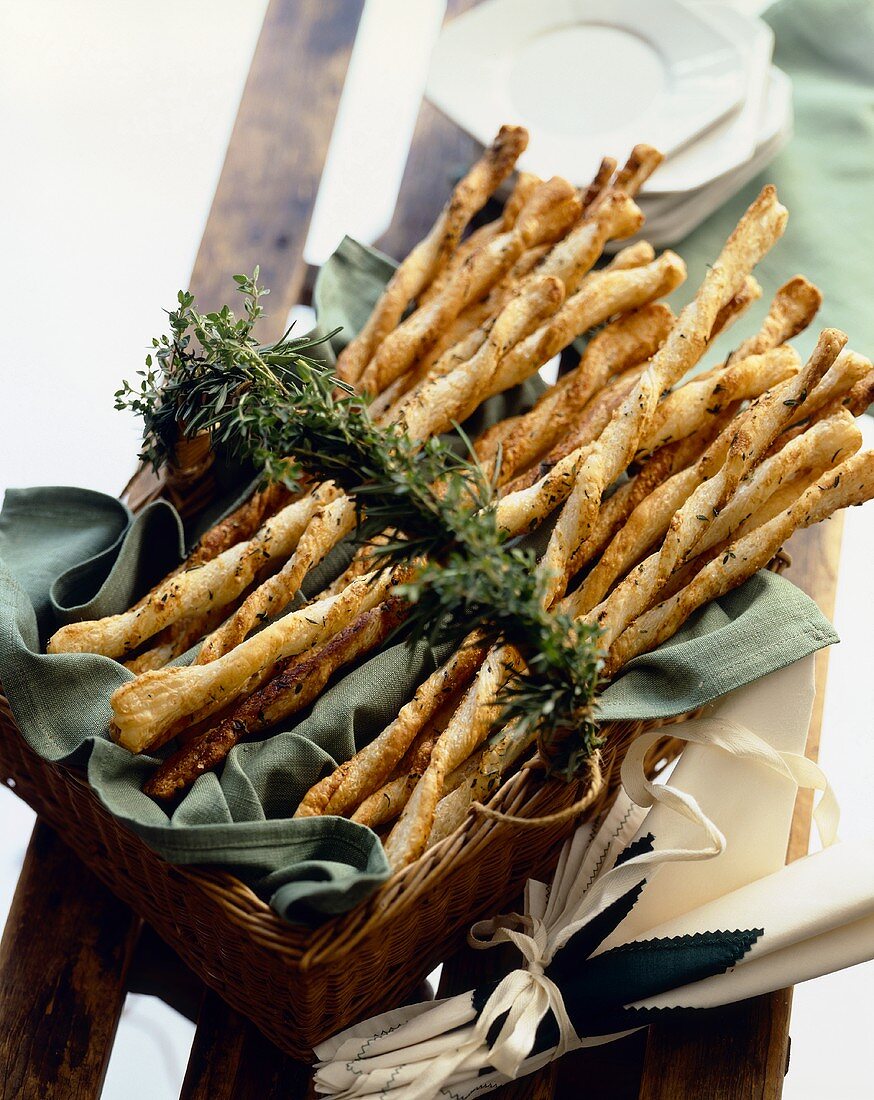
[290, 406]
[426, 259]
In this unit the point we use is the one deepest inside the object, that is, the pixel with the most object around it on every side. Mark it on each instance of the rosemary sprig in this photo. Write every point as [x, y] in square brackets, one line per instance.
[266, 404]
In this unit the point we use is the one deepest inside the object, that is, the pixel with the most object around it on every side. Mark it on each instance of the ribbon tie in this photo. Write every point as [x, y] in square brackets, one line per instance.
[524, 995]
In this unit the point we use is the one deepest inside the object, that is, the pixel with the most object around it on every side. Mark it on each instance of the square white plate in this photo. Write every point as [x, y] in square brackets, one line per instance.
[586, 77]
[670, 218]
[732, 141]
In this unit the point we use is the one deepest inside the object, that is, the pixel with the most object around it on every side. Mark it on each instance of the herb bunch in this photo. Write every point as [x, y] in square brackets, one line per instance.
[268, 403]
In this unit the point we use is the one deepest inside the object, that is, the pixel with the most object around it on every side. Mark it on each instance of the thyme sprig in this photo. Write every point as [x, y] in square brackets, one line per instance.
[268, 403]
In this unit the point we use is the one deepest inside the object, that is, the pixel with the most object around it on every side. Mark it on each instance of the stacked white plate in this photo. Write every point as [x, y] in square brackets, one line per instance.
[590, 78]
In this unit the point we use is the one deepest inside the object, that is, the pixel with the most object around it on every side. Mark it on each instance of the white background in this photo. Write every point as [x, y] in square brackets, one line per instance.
[113, 123]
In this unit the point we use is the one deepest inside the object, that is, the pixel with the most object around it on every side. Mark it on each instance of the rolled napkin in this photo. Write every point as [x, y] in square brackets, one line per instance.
[677, 899]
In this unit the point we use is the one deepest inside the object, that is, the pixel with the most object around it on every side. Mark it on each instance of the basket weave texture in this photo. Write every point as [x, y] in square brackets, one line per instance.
[300, 984]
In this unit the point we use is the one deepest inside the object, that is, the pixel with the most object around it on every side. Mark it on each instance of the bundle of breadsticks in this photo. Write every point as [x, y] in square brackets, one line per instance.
[664, 489]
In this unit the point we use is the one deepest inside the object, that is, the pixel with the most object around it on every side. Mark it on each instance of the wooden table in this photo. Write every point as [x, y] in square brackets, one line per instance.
[70, 950]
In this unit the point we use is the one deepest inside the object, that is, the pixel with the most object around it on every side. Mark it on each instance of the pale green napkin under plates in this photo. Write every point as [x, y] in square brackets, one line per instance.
[70, 554]
[825, 175]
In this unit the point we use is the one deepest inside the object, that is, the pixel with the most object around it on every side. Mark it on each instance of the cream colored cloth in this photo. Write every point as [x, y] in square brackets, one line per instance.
[720, 828]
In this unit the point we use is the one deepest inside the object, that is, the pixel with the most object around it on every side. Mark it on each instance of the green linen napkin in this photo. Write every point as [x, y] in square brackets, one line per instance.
[70, 554]
[823, 175]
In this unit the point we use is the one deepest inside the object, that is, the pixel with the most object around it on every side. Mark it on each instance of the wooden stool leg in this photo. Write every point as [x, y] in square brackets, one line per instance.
[737, 1052]
[63, 962]
[231, 1060]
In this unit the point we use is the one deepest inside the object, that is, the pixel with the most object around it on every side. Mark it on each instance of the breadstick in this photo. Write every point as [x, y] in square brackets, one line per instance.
[686, 409]
[439, 401]
[850, 484]
[530, 498]
[633, 255]
[146, 707]
[642, 162]
[765, 491]
[467, 728]
[574, 256]
[552, 208]
[794, 306]
[358, 777]
[298, 683]
[756, 428]
[240, 524]
[389, 801]
[750, 435]
[474, 320]
[524, 187]
[196, 590]
[833, 392]
[822, 446]
[601, 296]
[618, 511]
[421, 265]
[597, 413]
[857, 400]
[600, 181]
[477, 779]
[755, 234]
[327, 527]
[631, 339]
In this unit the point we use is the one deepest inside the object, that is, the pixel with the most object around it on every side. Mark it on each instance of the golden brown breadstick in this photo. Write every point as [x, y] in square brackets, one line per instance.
[524, 187]
[642, 162]
[358, 777]
[241, 524]
[600, 181]
[751, 434]
[327, 527]
[552, 208]
[633, 255]
[478, 778]
[617, 512]
[442, 400]
[145, 708]
[686, 409]
[794, 306]
[531, 497]
[296, 684]
[197, 590]
[600, 296]
[857, 400]
[631, 339]
[605, 459]
[467, 728]
[420, 266]
[852, 483]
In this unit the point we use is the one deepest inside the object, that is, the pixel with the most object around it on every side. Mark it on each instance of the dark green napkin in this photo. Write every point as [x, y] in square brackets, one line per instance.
[73, 554]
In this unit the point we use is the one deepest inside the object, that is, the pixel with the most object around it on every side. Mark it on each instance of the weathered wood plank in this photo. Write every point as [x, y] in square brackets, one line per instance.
[267, 190]
[740, 1052]
[439, 153]
[231, 1060]
[63, 960]
[737, 1051]
[265, 196]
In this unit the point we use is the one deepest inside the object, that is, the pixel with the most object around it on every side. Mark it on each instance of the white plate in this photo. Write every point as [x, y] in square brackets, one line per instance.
[733, 140]
[669, 219]
[587, 77]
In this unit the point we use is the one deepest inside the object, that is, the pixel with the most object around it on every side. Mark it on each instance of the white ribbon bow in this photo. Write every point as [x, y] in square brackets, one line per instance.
[528, 994]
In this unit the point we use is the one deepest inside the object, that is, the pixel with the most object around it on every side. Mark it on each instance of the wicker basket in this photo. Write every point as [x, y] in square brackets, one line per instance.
[300, 985]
